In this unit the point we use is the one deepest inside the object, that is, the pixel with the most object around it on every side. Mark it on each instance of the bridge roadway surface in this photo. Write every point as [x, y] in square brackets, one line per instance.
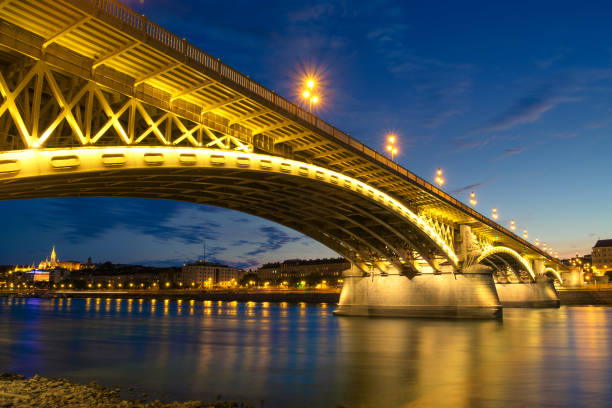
[137, 67]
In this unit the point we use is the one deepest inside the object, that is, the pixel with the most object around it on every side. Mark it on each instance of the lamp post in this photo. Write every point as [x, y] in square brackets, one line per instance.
[512, 225]
[309, 94]
[391, 146]
[439, 178]
[494, 214]
[473, 199]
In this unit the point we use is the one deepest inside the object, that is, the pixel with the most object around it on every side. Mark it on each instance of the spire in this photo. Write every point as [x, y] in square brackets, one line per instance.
[53, 256]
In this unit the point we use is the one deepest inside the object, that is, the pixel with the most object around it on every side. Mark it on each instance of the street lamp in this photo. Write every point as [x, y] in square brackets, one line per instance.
[473, 199]
[494, 214]
[309, 94]
[439, 178]
[525, 235]
[391, 146]
[537, 242]
[512, 225]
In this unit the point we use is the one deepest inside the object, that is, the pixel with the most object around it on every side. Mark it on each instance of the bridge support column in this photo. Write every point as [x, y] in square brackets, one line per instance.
[538, 268]
[463, 295]
[541, 293]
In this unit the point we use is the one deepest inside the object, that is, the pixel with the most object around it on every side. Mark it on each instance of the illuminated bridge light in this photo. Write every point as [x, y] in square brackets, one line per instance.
[439, 178]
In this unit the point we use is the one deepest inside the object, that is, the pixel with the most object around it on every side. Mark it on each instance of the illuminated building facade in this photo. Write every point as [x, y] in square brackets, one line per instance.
[53, 262]
[209, 273]
[293, 269]
[602, 257]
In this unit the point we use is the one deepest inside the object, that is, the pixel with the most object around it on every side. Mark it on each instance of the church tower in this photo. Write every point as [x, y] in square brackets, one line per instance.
[53, 256]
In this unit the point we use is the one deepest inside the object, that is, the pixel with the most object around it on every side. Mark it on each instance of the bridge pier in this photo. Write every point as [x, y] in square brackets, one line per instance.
[463, 295]
[541, 293]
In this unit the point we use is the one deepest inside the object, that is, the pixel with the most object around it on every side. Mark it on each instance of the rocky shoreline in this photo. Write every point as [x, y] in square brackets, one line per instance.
[41, 392]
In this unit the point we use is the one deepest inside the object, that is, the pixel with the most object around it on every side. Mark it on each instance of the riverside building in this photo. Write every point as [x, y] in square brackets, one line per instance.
[602, 257]
[299, 269]
[208, 274]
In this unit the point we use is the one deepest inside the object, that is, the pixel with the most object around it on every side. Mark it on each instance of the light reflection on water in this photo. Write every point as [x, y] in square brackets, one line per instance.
[303, 356]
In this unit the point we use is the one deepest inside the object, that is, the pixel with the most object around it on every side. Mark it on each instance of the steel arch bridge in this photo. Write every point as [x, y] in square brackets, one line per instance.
[99, 101]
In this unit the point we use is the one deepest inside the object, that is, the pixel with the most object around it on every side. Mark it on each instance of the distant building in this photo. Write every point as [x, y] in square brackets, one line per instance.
[54, 262]
[208, 274]
[49, 270]
[602, 257]
[299, 269]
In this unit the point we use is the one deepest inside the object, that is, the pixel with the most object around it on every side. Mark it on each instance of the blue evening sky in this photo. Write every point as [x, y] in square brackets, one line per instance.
[511, 99]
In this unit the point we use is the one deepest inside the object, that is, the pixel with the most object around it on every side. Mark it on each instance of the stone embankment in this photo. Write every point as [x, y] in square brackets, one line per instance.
[583, 297]
[40, 392]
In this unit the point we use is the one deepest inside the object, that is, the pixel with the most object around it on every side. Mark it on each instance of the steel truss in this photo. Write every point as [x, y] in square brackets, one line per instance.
[49, 109]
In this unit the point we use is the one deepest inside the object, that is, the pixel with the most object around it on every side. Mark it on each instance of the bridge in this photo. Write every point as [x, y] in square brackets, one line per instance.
[100, 101]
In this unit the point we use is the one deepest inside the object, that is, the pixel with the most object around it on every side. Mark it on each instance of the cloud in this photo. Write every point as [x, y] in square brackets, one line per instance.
[275, 239]
[546, 63]
[510, 152]
[527, 109]
[78, 219]
[598, 124]
[471, 187]
[311, 13]
[565, 135]
[462, 143]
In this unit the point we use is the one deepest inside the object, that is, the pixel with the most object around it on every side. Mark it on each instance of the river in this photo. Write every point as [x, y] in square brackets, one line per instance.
[302, 356]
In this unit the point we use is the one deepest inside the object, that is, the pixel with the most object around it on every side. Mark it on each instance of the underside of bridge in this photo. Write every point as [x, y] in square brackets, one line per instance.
[358, 222]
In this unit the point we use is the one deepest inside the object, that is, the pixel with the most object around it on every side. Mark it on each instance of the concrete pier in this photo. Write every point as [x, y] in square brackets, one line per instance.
[468, 295]
[533, 294]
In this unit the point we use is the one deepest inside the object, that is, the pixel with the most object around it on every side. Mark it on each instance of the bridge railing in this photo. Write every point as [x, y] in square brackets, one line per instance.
[139, 22]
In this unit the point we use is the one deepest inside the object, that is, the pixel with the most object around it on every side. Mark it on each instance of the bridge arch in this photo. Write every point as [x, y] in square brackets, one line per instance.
[356, 220]
[552, 272]
[509, 254]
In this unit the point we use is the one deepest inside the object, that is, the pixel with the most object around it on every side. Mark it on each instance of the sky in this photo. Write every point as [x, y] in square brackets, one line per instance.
[511, 99]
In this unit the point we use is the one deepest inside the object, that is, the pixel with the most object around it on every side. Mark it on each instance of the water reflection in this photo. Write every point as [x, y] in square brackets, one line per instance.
[302, 356]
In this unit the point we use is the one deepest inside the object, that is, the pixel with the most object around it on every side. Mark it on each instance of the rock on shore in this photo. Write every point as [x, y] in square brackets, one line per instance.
[40, 392]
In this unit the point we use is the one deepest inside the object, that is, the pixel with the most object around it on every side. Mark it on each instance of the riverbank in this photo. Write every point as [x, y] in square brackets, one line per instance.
[276, 296]
[40, 392]
[568, 297]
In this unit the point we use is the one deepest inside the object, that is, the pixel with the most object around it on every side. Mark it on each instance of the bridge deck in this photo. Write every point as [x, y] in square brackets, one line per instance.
[105, 41]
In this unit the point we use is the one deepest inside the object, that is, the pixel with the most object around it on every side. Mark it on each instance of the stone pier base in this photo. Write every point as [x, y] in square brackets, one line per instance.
[470, 295]
[535, 294]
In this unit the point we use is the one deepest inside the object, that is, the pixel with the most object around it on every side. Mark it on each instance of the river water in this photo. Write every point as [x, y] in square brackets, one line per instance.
[303, 356]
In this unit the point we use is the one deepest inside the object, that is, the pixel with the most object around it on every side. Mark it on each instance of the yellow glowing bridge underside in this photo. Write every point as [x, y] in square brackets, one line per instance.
[17, 167]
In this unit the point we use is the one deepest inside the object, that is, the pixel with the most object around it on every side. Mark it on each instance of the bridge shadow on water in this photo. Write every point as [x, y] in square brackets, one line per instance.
[303, 356]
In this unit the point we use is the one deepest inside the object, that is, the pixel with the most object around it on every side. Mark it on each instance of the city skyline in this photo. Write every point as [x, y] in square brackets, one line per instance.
[519, 116]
